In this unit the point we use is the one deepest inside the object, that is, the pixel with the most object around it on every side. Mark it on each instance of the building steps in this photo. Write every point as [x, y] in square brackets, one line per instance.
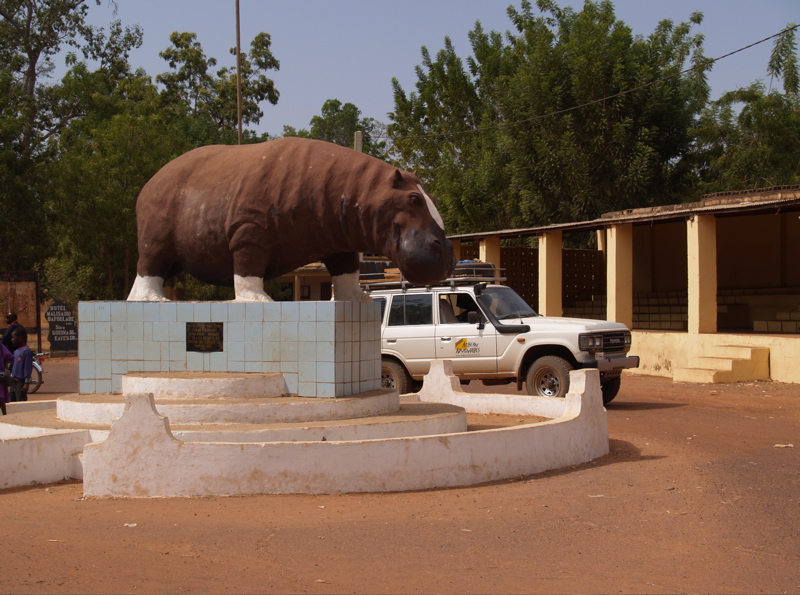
[729, 363]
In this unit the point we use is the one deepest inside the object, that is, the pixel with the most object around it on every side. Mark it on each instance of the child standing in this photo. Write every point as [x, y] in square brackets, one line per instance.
[22, 366]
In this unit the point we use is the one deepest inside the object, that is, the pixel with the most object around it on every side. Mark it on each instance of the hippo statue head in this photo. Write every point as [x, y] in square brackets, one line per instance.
[414, 232]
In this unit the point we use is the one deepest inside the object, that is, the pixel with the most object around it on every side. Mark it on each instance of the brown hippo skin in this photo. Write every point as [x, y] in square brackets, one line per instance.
[236, 215]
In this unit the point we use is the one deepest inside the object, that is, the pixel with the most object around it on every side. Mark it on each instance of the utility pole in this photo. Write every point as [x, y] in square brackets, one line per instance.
[238, 75]
[358, 141]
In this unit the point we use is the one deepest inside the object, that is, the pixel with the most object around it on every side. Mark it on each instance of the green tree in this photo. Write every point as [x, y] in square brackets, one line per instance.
[338, 124]
[570, 116]
[435, 133]
[32, 32]
[116, 132]
[749, 137]
[210, 96]
[103, 164]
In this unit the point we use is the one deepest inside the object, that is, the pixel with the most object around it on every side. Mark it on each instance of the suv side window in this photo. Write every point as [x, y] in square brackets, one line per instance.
[411, 309]
[382, 302]
[454, 307]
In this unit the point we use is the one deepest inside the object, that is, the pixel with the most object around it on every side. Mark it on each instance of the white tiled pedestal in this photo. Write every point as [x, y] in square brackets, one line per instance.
[323, 349]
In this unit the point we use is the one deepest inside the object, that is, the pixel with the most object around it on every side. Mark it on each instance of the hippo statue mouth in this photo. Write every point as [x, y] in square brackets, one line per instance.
[425, 257]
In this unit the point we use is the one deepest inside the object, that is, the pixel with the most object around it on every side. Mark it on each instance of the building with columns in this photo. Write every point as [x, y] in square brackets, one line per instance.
[711, 289]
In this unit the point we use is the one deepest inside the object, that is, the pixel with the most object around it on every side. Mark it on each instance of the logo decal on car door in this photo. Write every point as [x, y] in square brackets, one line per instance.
[465, 347]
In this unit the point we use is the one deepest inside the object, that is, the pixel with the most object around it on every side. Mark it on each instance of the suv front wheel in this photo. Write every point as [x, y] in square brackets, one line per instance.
[610, 389]
[548, 376]
[394, 375]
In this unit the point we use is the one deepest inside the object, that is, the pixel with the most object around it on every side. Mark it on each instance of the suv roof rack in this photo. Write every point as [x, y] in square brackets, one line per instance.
[378, 281]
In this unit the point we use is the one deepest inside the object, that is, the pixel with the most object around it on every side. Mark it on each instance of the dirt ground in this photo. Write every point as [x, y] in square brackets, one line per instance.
[700, 494]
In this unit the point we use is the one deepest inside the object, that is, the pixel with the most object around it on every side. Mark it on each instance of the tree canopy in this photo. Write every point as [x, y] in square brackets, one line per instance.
[749, 137]
[338, 124]
[211, 96]
[567, 115]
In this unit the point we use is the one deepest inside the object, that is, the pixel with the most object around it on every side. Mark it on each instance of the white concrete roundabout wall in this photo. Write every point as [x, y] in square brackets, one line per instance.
[141, 458]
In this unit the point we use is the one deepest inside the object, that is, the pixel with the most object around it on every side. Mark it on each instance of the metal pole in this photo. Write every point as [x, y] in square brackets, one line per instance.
[238, 75]
[358, 141]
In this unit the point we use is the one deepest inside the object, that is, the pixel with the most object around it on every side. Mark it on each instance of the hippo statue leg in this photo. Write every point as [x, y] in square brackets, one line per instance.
[250, 289]
[344, 269]
[147, 289]
[250, 257]
[347, 289]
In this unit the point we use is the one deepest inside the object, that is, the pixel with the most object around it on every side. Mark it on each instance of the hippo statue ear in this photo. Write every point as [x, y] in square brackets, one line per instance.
[397, 179]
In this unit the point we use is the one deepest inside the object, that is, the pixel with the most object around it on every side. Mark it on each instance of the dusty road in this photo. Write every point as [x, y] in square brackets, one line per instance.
[700, 493]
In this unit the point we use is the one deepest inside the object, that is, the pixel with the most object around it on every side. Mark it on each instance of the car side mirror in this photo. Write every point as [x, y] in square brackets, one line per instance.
[474, 318]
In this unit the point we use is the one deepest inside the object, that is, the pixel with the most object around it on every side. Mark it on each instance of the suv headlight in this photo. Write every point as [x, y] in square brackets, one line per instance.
[590, 343]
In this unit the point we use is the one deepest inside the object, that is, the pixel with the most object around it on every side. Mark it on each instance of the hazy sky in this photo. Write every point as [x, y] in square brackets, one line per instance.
[350, 49]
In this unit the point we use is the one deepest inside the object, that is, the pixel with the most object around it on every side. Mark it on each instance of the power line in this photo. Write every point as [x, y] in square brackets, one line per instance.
[703, 65]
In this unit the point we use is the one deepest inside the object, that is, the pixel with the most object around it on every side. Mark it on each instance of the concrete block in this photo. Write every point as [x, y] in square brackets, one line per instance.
[308, 312]
[135, 312]
[86, 330]
[290, 311]
[151, 311]
[289, 331]
[169, 311]
[236, 311]
[253, 312]
[86, 312]
[185, 312]
[253, 333]
[102, 331]
[201, 312]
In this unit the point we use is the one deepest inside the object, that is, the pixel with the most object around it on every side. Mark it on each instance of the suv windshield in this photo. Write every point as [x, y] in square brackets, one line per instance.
[505, 303]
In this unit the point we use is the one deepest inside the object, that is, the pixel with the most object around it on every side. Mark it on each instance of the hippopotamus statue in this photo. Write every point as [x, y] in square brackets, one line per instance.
[236, 215]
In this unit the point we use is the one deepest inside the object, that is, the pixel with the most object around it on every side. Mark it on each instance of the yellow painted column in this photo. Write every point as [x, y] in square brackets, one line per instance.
[701, 249]
[296, 287]
[489, 251]
[619, 274]
[550, 271]
[457, 249]
[600, 234]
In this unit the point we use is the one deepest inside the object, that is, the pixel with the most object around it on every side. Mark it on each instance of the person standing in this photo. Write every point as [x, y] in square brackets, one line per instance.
[22, 366]
[11, 321]
[6, 359]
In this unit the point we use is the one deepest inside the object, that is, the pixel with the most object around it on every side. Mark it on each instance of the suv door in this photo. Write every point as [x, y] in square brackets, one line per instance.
[409, 331]
[472, 350]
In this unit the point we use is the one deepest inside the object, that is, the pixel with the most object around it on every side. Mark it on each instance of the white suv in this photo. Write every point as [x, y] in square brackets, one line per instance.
[490, 333]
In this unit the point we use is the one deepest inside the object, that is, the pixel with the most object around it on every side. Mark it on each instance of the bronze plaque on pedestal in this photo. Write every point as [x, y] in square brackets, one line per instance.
[204, 337]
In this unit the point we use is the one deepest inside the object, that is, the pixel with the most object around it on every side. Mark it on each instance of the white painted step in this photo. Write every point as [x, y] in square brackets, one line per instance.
[729, 363]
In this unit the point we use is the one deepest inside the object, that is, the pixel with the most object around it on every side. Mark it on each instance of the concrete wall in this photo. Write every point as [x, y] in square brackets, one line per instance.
[662, 353]
[759, 251]
[323, 349]
[41, 459]
[659, 257]
[755, 251]
[142, 459]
